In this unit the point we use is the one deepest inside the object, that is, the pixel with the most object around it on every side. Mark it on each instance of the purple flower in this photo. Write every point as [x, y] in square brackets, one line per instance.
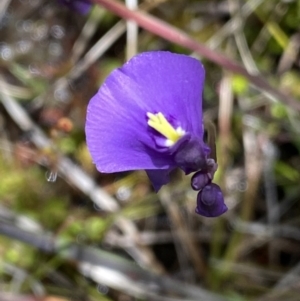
[148, 115]
[81, 6]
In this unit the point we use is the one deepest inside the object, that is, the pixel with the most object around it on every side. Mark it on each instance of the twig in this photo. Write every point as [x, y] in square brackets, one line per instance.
[188, 244]
[289, 55]
[18, 277]
[79, 179]
[114, 271]
[225, 119]
[19, 220]
[172, 34]
[98, 49]
[240, 39]
[156, 238]
[284, 286]
[87, 32]
[132, 32]
[233, 24]
[3, 7]
[272, 203]
[94, 53]
[249, 270]
[16, 297]
[253, 172]
[266, 232]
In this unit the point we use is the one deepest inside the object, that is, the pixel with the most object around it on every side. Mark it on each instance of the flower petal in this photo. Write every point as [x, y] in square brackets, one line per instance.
[159, 177]
[116, 128]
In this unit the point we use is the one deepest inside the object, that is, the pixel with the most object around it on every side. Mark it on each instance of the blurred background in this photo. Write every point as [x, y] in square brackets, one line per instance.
[71, 233]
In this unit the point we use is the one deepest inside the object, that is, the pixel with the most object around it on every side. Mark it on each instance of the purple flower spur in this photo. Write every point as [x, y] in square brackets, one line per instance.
[81, 6]
[148, 115]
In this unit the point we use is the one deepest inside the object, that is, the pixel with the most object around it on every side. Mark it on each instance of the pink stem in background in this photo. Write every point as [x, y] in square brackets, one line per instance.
[172, 34]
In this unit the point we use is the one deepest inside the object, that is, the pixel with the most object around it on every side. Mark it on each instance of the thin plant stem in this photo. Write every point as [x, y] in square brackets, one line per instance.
[132, 32]
[175, 35]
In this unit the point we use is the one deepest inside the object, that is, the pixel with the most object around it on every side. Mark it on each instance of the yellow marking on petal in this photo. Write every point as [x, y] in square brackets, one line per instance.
[162, 125]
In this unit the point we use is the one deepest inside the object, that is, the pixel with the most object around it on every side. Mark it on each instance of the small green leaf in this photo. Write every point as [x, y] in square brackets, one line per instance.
[240, 84]
[287, 171]
[278, 110]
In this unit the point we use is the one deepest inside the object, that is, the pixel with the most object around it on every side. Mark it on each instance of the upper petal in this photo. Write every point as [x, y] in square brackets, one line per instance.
[116, 128]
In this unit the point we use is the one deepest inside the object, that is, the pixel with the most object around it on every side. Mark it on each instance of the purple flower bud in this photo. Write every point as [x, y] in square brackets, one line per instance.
[210, 201]
[81, 6]
[199, 180]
